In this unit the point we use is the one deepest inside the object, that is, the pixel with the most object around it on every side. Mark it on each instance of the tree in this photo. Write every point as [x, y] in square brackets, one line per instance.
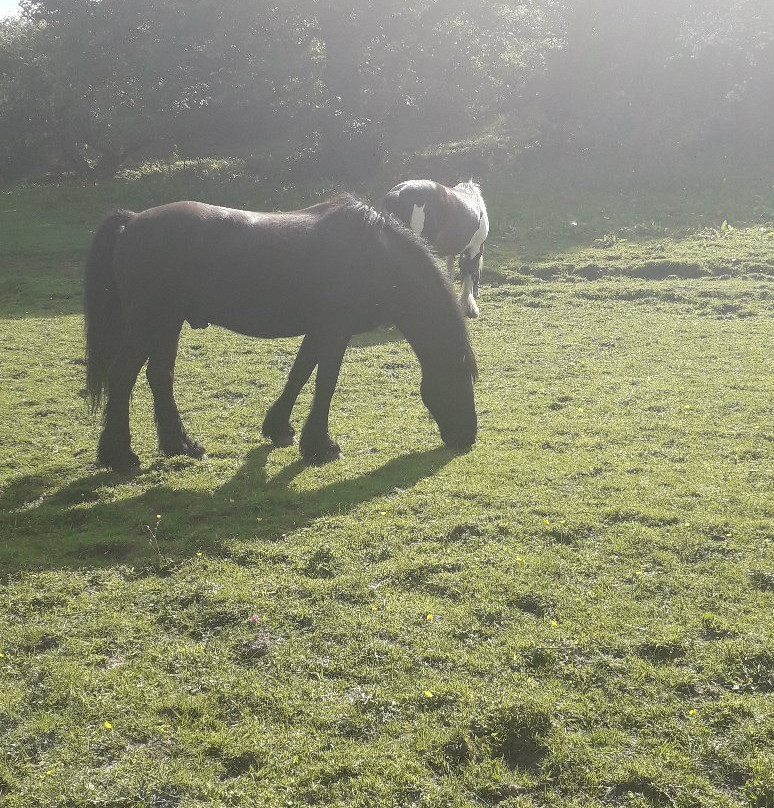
[653, 82]
[120, 78]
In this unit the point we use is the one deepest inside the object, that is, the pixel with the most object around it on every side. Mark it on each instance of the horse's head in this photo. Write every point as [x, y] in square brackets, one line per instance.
[448, 395]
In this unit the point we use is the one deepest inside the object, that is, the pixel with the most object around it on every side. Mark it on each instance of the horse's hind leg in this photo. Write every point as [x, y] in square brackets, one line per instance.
[450, 268]
[173, 438]
[114, 449]
[276, 424]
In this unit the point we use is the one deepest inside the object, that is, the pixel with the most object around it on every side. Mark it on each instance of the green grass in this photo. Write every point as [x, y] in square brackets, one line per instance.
[575, 613]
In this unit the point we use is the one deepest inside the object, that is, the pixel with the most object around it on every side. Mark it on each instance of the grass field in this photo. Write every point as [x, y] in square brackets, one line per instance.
[575, 613]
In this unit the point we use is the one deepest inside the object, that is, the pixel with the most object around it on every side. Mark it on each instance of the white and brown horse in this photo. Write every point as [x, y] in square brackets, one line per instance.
[455, 223]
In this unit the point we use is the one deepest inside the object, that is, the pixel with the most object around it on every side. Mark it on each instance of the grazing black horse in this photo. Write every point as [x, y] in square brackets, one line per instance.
[328, 272]
[453, 220]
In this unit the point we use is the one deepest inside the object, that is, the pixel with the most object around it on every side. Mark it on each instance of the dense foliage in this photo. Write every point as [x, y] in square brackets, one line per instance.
[331, 88]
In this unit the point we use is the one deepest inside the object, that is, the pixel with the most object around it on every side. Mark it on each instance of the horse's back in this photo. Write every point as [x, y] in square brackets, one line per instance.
[415, 190]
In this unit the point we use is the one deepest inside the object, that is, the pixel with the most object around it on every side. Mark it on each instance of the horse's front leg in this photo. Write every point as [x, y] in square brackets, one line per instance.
[470, 272]
[316, 445]
[450, 268]
[467, 297]
[276, 424]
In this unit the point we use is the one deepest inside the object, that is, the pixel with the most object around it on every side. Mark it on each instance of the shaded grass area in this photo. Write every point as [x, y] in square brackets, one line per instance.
[593, 227]
[547, 224]
[721, 252]
[42, 221]
[575, 613]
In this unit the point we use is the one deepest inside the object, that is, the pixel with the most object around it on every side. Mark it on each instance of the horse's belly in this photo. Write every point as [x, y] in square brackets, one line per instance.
[257, 327]
[452, 241]
[261, 319]
[254, 303]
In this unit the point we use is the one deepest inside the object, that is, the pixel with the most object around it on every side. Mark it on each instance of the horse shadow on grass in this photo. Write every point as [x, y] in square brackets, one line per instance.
[71, 528]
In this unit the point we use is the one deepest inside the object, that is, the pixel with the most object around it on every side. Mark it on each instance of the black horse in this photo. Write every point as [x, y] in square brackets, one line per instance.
[328, 272]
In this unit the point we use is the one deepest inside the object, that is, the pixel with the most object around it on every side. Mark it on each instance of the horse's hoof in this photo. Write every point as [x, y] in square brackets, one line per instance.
[469, 306]
[281, 436]
[320, 455]
[278, 431]
[187, 446]
[128, 464]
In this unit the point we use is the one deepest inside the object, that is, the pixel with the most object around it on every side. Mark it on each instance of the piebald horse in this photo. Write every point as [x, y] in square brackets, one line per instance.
[328, 272]
[455, 223]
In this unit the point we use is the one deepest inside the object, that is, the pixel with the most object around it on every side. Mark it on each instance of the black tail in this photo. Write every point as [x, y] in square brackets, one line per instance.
[102, 311]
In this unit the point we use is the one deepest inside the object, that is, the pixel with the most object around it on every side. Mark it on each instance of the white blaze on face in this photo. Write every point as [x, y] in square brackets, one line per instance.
[418, 219]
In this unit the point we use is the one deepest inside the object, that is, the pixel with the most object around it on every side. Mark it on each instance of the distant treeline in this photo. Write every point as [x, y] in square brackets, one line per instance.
[331, 88]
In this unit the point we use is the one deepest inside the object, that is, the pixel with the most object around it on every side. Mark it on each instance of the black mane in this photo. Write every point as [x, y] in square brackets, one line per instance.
[425, 271]
[420, 270]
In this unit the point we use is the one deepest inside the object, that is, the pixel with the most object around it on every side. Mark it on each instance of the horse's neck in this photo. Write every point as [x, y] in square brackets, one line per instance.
[427, 315]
